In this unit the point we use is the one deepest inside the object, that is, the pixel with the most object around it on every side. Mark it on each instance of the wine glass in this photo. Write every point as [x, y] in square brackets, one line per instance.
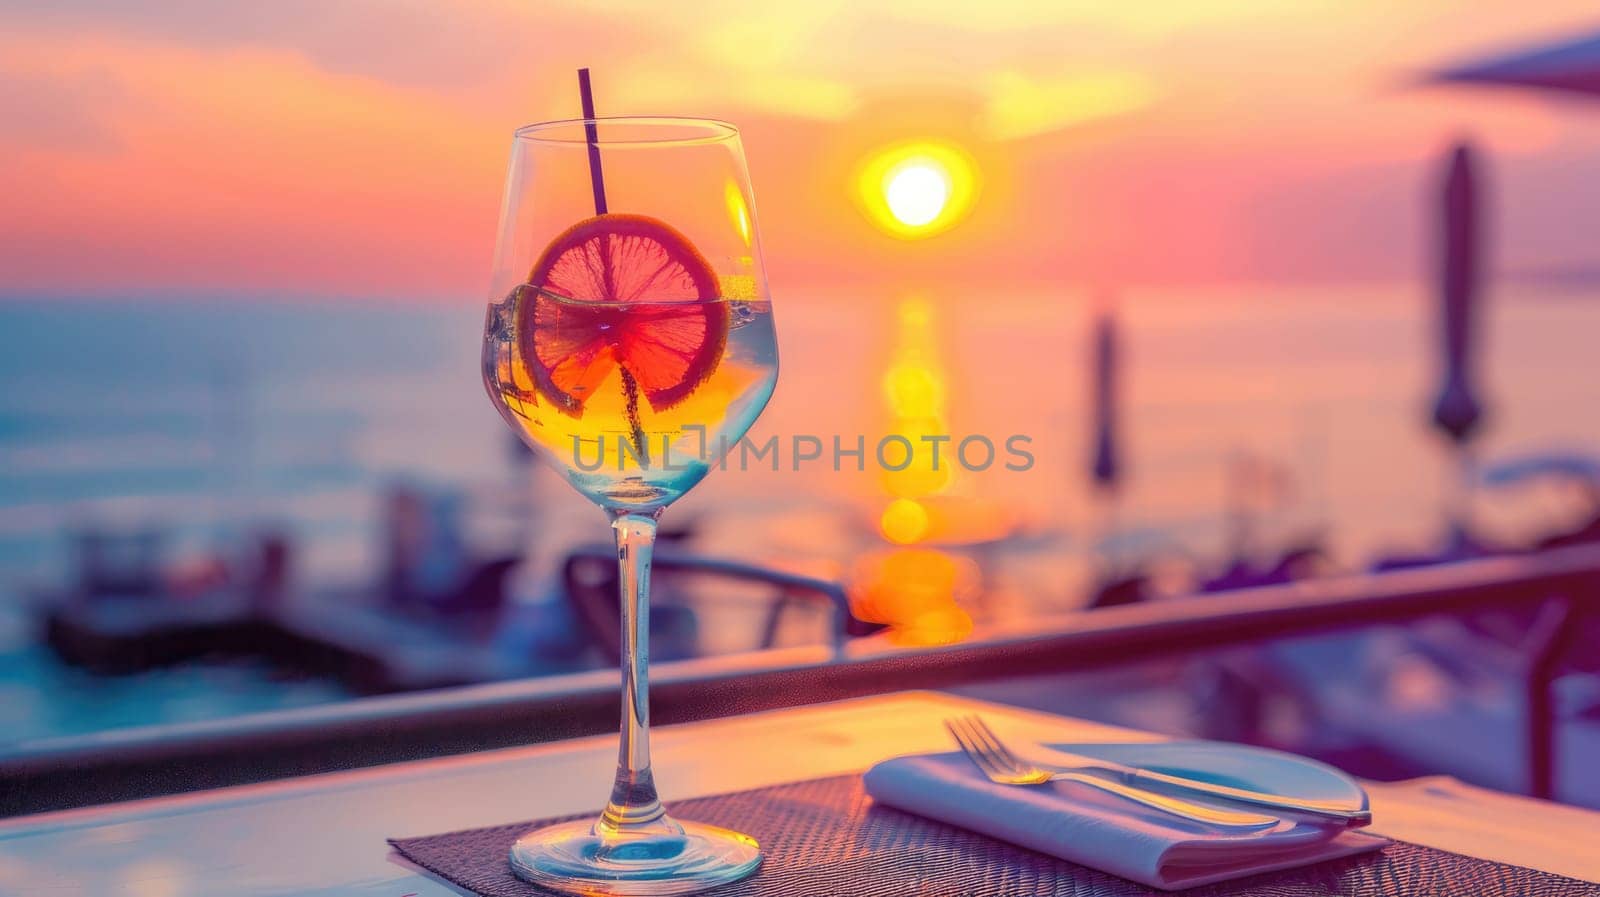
[630, 344]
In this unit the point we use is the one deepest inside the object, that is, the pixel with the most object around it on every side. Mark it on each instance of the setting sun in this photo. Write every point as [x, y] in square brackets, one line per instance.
[917, 189]
[917, 193]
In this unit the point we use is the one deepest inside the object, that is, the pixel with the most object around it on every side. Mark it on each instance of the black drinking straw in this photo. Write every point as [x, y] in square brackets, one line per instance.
[586, 92]
[591, 132]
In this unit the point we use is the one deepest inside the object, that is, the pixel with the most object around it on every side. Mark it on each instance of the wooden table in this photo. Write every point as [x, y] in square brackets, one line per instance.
[321, 836]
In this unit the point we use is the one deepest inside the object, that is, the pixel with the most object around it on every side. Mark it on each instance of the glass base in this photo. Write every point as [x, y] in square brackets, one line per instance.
[572, 859]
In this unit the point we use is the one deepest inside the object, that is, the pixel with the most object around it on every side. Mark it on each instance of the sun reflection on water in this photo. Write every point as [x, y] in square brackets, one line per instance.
[916, 589]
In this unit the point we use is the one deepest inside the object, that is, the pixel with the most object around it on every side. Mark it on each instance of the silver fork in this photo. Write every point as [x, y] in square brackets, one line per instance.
[1003, 767]
[1343, 812]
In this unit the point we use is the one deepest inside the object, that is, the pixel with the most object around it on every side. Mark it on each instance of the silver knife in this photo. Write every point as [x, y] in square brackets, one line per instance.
[1338, 811]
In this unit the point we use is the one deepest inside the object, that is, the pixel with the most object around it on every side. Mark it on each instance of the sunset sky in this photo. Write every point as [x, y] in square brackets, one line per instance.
[356, 148]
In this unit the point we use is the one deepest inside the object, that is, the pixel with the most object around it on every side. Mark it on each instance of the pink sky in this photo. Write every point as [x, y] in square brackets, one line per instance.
[357, 147]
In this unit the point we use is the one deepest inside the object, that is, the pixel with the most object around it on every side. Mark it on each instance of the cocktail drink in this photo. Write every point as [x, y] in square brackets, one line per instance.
[630, 349]
[635, 392]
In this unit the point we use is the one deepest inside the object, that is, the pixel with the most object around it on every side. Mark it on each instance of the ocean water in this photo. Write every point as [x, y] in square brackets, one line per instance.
[206, 418]
[202, 417]
[211, 419]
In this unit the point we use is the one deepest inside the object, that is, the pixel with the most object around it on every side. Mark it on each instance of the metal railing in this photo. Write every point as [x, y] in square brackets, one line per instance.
[120, 765]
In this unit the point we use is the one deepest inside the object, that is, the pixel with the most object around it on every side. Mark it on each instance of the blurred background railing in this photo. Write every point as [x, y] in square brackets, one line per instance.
[1035, 665]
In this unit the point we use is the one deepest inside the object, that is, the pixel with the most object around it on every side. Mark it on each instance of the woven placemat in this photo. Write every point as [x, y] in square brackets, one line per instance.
[825, 838]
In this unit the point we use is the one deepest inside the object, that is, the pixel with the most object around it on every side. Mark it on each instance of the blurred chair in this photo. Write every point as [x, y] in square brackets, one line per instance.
[593, 587]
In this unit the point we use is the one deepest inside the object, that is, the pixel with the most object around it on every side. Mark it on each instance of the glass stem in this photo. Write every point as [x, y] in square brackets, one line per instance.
[634, 806]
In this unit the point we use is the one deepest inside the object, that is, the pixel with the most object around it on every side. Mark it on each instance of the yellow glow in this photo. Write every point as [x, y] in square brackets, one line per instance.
[738, 212]
[904, 521]
[917, 189]
[946, 520]
[914, 388]
[1022, 107]
[914, 383]
[739, 286]
[918, 592]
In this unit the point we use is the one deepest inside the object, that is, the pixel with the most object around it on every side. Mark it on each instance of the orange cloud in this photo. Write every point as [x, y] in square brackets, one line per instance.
[258, 172]
[358, 146]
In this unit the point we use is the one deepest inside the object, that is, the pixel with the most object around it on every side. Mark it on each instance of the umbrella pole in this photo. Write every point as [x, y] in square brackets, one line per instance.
[1106, 508]
[1462, 490]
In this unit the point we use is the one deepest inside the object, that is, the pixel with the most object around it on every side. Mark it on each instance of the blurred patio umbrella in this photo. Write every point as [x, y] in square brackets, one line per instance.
[1121, 581]
[1567, 66]
[1571, 66]
[1105, 468]
[1457, 410]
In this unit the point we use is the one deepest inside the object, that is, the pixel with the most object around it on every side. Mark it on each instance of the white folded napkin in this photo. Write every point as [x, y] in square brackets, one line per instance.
[1087, 826]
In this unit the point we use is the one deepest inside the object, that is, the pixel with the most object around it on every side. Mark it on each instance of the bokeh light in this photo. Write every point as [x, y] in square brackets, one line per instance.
[917, 592]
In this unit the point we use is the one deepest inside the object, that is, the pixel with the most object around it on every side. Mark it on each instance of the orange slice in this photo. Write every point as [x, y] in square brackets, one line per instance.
[621, 290]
